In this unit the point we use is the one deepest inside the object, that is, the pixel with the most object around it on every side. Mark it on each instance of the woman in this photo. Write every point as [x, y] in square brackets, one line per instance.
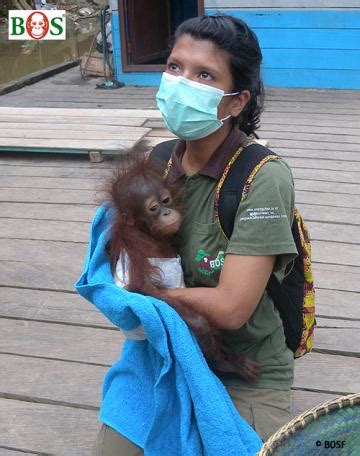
[211, 97]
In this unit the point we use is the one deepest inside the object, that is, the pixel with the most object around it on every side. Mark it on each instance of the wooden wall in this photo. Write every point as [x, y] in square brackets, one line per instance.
[310, 44]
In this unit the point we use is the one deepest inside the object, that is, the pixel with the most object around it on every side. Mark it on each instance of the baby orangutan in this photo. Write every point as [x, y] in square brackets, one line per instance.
[143, 257]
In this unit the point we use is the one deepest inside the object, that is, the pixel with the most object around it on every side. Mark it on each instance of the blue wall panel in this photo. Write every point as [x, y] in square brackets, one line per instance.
[311, 48]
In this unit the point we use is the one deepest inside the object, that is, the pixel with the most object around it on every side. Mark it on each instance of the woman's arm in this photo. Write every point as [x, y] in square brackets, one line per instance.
[230, 304]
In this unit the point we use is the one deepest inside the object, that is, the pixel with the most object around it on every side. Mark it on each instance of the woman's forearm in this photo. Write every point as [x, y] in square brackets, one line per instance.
[211, 304]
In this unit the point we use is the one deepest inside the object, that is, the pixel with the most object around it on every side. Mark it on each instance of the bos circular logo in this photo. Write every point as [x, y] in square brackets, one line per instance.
[37, 25]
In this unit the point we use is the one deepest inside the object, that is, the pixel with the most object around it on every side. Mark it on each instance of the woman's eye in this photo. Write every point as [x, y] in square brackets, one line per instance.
[166, 200]
[205, 75]
[173, 67]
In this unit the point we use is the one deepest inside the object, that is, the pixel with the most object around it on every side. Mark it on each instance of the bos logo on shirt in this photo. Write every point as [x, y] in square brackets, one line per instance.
[208, 263]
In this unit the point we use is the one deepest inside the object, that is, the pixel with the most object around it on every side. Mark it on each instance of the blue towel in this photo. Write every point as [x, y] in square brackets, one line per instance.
[160, 394]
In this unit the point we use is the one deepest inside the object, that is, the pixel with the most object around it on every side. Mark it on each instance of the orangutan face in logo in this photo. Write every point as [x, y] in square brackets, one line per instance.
[37, 25]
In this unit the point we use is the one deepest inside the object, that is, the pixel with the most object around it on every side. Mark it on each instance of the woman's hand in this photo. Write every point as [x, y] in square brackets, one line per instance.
[231, 303]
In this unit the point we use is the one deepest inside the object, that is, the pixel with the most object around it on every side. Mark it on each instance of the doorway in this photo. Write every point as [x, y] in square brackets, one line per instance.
[146, 28]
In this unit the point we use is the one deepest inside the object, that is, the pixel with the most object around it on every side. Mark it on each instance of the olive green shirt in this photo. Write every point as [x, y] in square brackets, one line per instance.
[262, 226]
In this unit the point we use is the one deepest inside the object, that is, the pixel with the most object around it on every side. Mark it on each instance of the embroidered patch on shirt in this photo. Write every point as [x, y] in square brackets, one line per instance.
[208, 263]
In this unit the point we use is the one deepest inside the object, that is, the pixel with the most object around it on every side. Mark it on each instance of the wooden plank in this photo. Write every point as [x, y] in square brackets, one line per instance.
[82, 113]
[87, 103]
[53, 160]
[336, 323]
[56, 307]
[39, 211]
[47, 429]
[300, 109]
[305, 400]
[329, 214]
[337, 146]
[52, 381]
[48, 231]
[329, 279]
[313, 105]
[47, 182]
[348, 234]
[327, 187]
[83, 93]
[336, 253]
[47, 265]
[119, 130]
[62, 98]
[344, 341]
[108, 145]
[60, 342]
[327, 199]
[342, 373]
[310, 94]
[314, 153]
[7, 452]
[328, 175]
[340, 268]
[315, 120]
[54, 196]
[340, 304]
[92, 172]
[299, 129]
[117, 133]
[335, 165]
[38, 122]
[47, 86]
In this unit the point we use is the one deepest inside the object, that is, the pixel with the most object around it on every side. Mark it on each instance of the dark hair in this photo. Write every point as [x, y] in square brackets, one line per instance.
[242, 46]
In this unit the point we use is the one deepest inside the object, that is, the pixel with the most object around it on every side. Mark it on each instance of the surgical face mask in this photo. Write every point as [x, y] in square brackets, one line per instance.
[189, 109]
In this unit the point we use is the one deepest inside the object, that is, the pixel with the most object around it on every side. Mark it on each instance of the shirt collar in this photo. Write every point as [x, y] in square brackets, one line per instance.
[216, 164]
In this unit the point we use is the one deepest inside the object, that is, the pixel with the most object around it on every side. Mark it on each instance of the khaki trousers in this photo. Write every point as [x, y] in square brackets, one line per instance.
[266, 410]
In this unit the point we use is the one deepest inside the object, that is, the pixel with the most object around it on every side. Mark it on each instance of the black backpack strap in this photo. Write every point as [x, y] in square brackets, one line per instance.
[162, 152]
[234, 183]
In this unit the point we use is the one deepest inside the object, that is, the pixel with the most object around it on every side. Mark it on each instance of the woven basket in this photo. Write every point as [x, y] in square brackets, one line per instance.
[332, 428]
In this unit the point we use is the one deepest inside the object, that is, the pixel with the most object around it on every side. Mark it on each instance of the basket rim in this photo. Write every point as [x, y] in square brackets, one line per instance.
[302, 420]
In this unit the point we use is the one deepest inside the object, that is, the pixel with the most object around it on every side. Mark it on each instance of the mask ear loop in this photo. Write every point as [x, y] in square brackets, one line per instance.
[228, 95]
[225, 118]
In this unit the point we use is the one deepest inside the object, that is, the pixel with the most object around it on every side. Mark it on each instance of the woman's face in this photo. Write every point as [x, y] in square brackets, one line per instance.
[203, 62]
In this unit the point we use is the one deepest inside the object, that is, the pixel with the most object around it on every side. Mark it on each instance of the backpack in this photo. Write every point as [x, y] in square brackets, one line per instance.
[294, 297]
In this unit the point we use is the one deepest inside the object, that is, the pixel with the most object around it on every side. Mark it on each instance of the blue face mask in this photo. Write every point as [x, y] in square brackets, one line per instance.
[189, 109]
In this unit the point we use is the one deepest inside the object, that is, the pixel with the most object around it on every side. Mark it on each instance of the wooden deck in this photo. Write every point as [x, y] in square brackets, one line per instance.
[55, 347]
